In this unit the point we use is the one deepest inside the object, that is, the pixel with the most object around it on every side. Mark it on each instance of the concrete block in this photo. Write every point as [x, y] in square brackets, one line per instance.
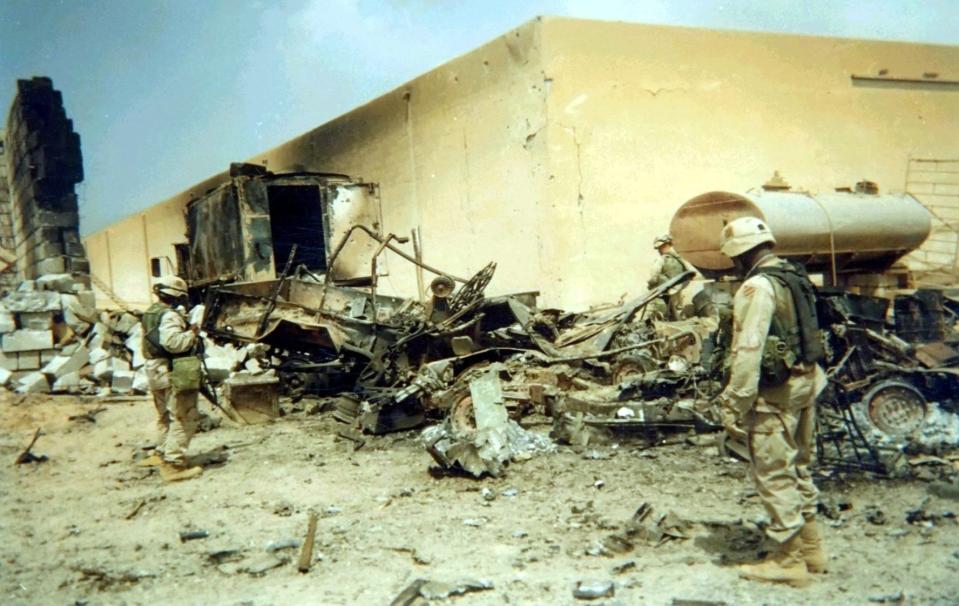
[61, 283]
[6, 376]
[53, 265]
[122, 381]
[141, 384]
[100, 328]
[87, 298]
[67, 364]
[34, 382]
[77, 317]
[221, 360]
[8, 322]
[30, 301]
[35, 320]
[98, 354]
[27, 286]
[8, 361]
[78, 264]
[104, 370]
[27, 340]
[68, 383]
[28, 360]
[134, 344]
[125, 323]
[45, 250]
[48, 354]
[95, 342]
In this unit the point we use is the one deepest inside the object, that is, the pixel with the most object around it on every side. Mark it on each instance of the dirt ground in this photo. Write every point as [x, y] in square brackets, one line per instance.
[89, 527]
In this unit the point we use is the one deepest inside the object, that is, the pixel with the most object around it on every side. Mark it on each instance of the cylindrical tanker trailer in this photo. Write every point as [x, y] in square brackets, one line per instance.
[834, 233]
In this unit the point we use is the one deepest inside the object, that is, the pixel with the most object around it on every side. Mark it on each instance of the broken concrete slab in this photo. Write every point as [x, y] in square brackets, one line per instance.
[6, 377]
[66, 364]
[47, 354]
[34, 382]
[27, 340]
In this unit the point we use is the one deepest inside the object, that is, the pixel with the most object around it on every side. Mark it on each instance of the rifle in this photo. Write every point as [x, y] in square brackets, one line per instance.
[206, 389]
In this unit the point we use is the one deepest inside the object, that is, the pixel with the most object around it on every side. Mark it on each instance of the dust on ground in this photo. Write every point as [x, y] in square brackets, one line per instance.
[89, 527]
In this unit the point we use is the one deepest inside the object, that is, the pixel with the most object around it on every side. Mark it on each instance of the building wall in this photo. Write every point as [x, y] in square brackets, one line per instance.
[643, 118]
[561, 149]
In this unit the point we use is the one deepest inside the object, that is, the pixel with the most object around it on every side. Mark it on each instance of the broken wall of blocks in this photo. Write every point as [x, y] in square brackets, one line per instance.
[44, 165]
[8, 278]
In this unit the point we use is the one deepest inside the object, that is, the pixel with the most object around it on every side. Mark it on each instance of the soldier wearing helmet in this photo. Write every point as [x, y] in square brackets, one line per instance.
[169, 345]
[769, 401]
[667, 266]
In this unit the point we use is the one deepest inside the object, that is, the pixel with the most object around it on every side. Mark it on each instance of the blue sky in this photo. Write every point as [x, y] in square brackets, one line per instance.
[165, 94]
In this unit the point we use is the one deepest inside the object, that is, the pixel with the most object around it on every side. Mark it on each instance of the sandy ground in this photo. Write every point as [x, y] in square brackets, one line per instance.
[88, 527]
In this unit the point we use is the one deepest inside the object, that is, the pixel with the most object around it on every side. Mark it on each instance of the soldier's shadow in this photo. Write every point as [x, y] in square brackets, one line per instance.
[216, 457]
[732, 543]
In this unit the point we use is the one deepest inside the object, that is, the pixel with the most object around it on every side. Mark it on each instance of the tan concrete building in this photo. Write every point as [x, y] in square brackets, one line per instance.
[562, 148]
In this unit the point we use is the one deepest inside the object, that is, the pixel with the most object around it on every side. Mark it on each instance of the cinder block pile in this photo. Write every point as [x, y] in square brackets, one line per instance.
[54, 340]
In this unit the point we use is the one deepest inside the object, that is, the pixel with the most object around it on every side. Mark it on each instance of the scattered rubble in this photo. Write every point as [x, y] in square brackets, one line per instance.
[436, 590]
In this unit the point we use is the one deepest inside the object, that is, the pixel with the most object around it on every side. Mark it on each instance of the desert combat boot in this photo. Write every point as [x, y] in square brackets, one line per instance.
[177, 473]
[812, 551]
[153, 460]
[787, 566]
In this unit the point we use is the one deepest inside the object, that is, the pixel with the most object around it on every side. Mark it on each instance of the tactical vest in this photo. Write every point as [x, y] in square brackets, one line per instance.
[672, 265]
[793, 337]
[152, 349]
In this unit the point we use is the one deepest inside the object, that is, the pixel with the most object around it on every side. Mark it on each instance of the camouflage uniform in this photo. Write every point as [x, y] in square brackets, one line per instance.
[666, 267]
[177, 411]
[779, 421]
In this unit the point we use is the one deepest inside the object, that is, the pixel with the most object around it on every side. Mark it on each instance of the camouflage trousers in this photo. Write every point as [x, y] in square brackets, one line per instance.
[160, 397]
[176, 423]
[780, 448]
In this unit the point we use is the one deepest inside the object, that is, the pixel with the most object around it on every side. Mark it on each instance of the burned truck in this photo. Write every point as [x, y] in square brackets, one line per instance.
[293, 262]
[245, 229]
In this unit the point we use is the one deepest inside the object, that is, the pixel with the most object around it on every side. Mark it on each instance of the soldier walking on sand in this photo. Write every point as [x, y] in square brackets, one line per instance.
[174, 373]
[770, 399]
